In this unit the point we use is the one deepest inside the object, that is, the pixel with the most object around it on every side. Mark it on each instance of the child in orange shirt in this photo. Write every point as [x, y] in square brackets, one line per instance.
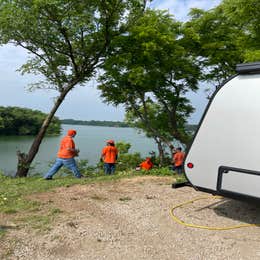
[178, 159]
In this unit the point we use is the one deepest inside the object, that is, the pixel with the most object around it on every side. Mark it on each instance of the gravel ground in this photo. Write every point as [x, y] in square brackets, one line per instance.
[130, 219]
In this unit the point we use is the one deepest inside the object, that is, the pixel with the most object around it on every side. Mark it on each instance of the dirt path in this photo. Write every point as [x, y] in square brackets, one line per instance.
[130, 219]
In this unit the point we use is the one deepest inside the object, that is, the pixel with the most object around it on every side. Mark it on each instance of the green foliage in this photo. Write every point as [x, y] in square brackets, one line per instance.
[149, 72]
[73, 36]
[215, 40]
[25, 121]
[128, 161]
[246, 15]
[163, 171]
[123, 147]
[225, 36]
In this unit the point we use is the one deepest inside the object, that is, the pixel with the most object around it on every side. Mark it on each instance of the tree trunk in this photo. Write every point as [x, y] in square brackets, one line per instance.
[161, 153]
[25, 160]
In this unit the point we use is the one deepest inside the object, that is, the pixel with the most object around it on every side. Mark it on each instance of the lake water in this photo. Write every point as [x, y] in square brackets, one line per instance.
[89, 139]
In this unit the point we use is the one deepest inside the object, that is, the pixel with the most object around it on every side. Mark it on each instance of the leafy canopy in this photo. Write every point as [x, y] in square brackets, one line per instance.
[151, 66]
[66, 39]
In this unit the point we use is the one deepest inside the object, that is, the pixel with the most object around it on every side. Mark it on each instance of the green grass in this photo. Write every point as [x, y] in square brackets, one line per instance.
[24, 212]
[180, 178]
[13, 191]
[40, 222]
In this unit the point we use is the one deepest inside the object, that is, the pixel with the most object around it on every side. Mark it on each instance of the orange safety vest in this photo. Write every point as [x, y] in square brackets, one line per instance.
[109, 154]
[65, 144]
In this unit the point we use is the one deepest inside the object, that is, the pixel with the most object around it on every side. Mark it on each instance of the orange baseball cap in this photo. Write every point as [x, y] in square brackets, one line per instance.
[71, 132]
[110, 141]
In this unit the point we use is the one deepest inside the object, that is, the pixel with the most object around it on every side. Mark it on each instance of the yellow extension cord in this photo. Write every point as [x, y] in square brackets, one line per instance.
[204, 227]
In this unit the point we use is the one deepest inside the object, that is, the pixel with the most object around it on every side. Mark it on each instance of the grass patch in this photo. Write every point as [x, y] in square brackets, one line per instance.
[41, 221]
[180, 178]
[37, 222]
[14, 193]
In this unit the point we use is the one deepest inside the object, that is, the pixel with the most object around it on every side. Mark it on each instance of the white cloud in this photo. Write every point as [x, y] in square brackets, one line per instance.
[181, 8]
[81, 103]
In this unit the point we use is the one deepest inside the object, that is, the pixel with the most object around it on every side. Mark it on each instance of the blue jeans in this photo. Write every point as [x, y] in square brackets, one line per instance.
[69, 163]
[178, 169]
[109, 168]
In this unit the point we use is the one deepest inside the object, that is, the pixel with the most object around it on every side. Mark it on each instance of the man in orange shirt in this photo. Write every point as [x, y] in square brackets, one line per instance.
[178, 159]
[147, 164]
[65, 156]
[109, 157]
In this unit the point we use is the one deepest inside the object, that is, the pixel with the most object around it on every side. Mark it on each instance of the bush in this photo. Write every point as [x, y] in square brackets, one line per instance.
[128, 161]
[163, 171]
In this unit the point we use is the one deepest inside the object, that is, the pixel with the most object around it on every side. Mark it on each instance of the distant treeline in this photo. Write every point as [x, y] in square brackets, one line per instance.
[191, 128]
[24, 121]
[94, 123]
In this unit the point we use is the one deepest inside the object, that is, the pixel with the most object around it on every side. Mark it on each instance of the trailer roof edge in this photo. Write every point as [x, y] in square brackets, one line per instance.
[248, 68]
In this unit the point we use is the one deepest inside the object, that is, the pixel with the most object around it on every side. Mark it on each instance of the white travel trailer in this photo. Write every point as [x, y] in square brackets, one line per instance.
[224, 157]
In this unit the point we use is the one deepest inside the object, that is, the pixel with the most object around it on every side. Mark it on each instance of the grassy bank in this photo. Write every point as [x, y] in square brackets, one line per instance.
[14, 193]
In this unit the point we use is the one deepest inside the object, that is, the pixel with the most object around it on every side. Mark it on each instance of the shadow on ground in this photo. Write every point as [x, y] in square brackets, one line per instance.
[238, 210]
[4, 228]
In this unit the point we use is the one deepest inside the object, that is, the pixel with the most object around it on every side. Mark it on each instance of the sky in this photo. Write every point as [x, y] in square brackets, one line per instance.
[84, 102]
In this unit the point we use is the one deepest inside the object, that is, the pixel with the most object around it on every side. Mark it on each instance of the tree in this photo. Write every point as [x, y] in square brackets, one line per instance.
[246, 14]
[67, 41]
[223, 37]
[151, 67]
[158, 120]
[214, 39]
[24, 121]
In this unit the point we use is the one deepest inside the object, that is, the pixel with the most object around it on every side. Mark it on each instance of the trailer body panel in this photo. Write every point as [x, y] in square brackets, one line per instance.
[229, 135]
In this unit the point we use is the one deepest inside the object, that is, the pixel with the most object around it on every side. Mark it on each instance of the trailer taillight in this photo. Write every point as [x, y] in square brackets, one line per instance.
[190, 165]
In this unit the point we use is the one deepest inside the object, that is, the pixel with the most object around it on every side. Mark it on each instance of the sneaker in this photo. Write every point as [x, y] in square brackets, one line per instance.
[82, 177]
[48, 178]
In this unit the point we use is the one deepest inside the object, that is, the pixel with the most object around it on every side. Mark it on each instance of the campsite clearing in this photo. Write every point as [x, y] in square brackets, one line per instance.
[129, 219]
